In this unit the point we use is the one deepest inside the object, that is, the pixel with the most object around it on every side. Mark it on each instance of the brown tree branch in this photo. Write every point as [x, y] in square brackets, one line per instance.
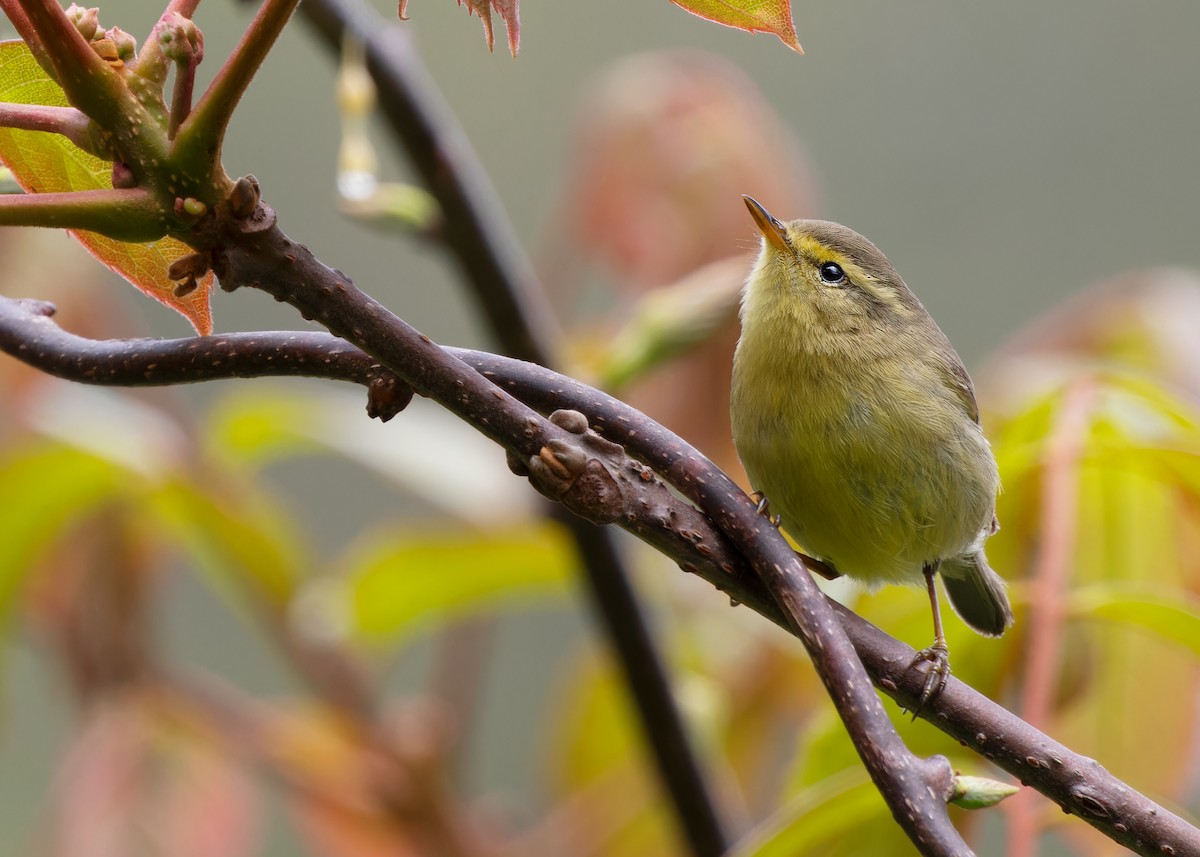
[1076, 783]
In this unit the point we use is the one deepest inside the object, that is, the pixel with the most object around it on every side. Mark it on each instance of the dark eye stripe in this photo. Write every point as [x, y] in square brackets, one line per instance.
[832, 273]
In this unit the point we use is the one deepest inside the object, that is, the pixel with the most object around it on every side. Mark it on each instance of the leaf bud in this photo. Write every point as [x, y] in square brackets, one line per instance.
[980, 792]
[244, 197]
[180, 39]
[86, 21]
[125, 43]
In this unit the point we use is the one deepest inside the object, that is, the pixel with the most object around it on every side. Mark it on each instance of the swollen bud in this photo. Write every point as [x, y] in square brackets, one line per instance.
[180, 39]
[980, 792]
[126, 44]
[244, 197]
[86, 21]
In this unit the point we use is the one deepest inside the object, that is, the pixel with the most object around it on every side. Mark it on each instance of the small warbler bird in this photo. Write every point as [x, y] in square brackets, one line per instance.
[857, 423]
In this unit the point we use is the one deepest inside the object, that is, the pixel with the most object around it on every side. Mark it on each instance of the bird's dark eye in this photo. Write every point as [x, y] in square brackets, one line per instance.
[832, 273]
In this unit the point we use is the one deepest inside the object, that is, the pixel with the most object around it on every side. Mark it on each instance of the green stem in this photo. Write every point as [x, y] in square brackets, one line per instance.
[125, 214]
[89, 82]
[40, 117]
[20, 21]
[202, 133]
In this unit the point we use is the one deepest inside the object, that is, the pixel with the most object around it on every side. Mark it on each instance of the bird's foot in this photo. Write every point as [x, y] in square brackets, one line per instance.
[763, 507]
[938, 658]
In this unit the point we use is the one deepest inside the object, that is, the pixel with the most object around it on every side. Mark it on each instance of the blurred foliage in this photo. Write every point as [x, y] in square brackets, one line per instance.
[107, 495]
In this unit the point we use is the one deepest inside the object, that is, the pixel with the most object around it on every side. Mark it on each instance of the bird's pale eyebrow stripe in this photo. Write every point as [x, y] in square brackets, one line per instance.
[817, 252]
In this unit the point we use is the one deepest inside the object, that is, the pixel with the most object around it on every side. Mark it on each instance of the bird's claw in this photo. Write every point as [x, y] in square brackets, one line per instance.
[763, 507]
[938, 657]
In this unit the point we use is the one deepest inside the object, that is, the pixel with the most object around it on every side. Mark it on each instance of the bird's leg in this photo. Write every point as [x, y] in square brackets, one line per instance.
[938, 655]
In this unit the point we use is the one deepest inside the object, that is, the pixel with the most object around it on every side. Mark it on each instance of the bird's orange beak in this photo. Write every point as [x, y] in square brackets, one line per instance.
[771, 228]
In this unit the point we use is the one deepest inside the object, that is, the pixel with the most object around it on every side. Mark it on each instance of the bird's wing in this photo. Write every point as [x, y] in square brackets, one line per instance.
[957, 379]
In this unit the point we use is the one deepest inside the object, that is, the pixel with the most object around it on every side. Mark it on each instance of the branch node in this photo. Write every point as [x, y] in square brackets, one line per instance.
[571, 470]
[387, 396]
[244, 198]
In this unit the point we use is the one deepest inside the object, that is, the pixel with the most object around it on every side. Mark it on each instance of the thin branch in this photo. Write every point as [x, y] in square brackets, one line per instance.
[1077, 784]
[481, 239]
[89, 82]
[476, 229]
[67, 121]
[127, 214]
[181, 94]
[204, 129]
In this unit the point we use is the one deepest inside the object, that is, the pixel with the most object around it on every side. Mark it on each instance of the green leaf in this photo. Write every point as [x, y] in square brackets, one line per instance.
[399, 583]
[44, 489]
[753, 16]
[47, 163]
[235, 536]
[596, 757]
[1171, 617]
[823, 819]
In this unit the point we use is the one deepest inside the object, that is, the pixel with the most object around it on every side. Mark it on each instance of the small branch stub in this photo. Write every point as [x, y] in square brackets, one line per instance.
[244, 197]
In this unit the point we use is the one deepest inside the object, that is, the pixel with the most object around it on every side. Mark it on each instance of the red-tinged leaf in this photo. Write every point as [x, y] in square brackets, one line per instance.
[753, 16]
[97, 787]
[206, 804]
[483, 8]
[48, 163]
[130, 777]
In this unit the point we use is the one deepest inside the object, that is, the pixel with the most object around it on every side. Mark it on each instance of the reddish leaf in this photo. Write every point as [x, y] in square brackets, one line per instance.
[130, 776]
[753, 16]
[483, 8]
[48, 163]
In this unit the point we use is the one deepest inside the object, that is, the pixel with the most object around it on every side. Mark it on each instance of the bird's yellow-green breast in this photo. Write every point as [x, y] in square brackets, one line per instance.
[852, 413]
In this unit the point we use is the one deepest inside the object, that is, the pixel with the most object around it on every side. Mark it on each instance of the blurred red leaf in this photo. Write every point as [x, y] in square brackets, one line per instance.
[128, 778]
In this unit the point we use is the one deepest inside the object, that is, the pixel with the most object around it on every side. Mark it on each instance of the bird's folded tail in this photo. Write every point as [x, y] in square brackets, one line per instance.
[977, 593]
